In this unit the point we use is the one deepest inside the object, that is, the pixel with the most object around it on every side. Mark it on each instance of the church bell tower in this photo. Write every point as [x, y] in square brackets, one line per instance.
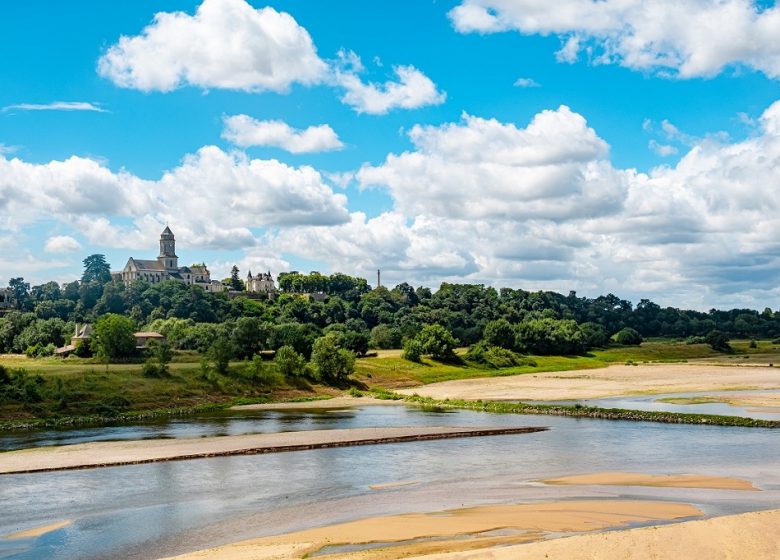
[168, 256]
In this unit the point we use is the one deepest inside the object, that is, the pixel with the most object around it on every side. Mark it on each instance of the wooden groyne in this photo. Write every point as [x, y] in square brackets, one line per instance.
[136, 452]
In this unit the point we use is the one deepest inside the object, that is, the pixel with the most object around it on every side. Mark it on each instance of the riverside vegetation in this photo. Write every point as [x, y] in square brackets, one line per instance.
[222, 350]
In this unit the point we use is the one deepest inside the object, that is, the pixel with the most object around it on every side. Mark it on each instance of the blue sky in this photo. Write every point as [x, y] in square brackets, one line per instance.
[616, 148]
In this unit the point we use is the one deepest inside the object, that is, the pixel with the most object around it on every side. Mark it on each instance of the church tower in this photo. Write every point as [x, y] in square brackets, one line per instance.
[168, 256]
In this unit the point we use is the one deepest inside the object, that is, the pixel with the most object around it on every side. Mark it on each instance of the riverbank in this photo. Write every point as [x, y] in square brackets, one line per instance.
[614, 381]
[749, 535]
[114, 453]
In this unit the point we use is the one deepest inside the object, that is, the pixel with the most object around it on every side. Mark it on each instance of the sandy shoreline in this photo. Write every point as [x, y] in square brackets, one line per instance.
[660, 481]
[751, 536]
[114, 453]
[613, 381]
[38, 531]
[508, 522]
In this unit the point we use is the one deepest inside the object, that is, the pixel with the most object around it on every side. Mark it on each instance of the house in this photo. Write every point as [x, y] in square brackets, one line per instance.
[83, 334]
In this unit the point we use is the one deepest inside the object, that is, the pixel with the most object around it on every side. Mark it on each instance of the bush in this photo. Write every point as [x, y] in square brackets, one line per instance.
[331, 364]
[628, 337]
[549, 336]
[289, 363]
[413, 350]
[220, 353]
[437, 341]
[264, 375]
[753, 344]
[718, 341]
[499, 333]
[384, 337]
[695, 340]
[151, 369]
[82, 349]
[492, 356]
[17, 386]
[594, 335]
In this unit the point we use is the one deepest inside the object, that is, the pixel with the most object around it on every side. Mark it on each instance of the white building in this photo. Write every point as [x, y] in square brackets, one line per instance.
[262, 283]
[166, 267]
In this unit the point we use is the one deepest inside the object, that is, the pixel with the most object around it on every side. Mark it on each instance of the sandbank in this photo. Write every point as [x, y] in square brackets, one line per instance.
[767, 401]
[38, 531]
[452, 527]
[335, 402]
[613, 381]
[749, 535]
[114, 453]
[664, 481]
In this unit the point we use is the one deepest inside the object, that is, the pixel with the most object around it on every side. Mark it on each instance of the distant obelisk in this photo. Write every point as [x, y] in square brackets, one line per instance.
[378, 278]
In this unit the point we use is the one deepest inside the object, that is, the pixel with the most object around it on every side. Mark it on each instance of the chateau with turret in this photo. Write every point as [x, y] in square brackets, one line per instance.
[166, 267]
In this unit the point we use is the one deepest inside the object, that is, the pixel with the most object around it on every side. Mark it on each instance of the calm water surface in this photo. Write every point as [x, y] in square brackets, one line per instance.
[146, 511]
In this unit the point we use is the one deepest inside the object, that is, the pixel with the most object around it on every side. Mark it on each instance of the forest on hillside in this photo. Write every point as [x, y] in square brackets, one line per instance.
[43, 316]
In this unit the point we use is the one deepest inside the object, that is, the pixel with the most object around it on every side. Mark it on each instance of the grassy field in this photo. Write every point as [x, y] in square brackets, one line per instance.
[388, 370]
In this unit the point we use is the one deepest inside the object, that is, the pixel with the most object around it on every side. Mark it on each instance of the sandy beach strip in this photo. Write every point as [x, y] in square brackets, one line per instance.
[455, 529]
[38, 531]
[753, 536]
[657, 480]
[613, 381]
[114, 453]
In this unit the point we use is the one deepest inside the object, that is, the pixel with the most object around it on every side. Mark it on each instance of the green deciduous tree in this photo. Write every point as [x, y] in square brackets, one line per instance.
[289, 362]
[331, 364]
[437, 341]
[114, 337]
[500, 333]
[628, 337]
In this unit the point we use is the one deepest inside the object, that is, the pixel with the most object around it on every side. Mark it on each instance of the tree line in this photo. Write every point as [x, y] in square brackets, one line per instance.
[356, 316]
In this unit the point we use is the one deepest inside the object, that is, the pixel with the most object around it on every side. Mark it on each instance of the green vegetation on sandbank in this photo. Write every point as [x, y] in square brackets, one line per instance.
[579, 411]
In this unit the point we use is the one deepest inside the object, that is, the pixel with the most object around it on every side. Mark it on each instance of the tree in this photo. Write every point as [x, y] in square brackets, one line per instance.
[289, 363]
[594, 335]
[331, 364]
[235, 282]
[628, 337]
[219, 353]
[114, 337]
[413, 350]
[437, 341]
[547, 336]
[96, 269]
[249, 336]
[20, 291]
[384, 337]
[718, 341]
[499, 333]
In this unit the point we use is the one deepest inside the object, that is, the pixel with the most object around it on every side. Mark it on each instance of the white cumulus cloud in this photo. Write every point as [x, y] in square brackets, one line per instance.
[685, 38]
[245, 131]
[411, 90]
[225, 44]
[61, 244]
[527, 83]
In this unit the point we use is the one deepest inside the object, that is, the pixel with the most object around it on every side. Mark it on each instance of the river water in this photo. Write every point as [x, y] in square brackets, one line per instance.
[152, 510]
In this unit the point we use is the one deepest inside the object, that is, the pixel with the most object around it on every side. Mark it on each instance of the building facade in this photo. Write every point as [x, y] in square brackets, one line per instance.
[6, 298]
[166, 267]
[262, 283]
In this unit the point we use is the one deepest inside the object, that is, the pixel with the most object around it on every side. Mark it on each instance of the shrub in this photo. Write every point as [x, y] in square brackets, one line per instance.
[499, 333]
[718, 341]
[264, 375]
[331, 364]
[413, 350]
[549, 336]
[289, 363]
[695, 340]
[437, 341]
[628, 337]
[492, 356]
[753, 344]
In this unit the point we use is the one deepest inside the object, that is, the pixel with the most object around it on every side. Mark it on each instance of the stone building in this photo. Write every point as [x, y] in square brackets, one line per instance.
[166, 267]
[6, 298]
[262, 283]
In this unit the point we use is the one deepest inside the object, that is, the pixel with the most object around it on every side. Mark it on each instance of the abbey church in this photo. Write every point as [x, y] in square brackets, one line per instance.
[166, 267]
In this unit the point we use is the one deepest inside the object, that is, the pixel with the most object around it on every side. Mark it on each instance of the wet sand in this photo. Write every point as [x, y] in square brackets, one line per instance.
[613, 381]
[113, 453]
[752, 536]
[38, 531]
[767, 401]
[452, 529]
[662, 481]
